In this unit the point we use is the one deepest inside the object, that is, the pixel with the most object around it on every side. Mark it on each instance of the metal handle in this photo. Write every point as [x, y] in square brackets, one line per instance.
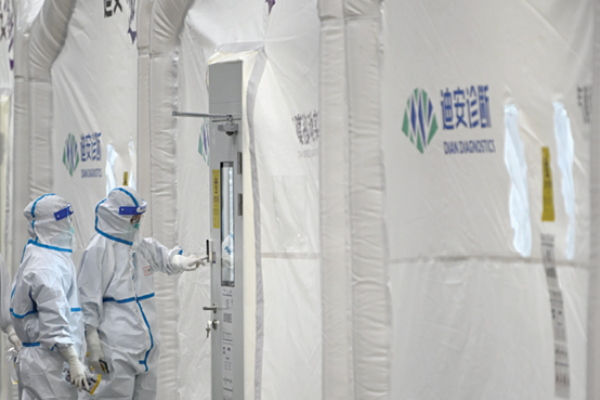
[214, 308]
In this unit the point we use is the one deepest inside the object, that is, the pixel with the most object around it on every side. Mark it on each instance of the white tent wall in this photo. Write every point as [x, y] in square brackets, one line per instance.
[94, 82]
[471, 308]
[165, 26]
[338, 370]
[355, 288]
[285, 134]
[25, 13]
[18, 175]
[48, 34]
[434, 222]
[593, 385]
[7, 34]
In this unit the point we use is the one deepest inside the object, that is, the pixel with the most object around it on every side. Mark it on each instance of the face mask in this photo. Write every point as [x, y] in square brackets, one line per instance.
[136, 225]
[73, 238]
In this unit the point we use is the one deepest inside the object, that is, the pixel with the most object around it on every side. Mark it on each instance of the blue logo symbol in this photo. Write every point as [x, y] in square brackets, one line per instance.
[70, 154]
[420, 122]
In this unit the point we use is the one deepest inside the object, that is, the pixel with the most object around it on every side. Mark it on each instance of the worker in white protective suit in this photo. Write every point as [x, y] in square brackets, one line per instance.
[45, 305]
[5, 320]
[116, 283]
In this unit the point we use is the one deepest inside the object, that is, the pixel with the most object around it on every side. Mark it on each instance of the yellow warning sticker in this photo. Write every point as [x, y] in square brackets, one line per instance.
[548, 210]
[216, 194]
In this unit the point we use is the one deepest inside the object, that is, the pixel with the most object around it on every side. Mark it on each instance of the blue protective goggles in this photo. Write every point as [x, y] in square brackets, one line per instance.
[64, 213]
[125, 210]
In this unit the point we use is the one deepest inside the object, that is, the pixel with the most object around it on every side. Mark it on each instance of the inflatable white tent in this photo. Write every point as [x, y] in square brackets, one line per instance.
[421, 212]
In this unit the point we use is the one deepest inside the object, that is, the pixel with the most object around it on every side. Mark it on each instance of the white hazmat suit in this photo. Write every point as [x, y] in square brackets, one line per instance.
[116, 283]
[45, 304]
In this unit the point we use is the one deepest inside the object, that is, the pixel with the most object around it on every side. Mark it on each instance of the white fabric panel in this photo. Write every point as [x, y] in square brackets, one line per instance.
[94, 82]
[40, 124]
[24, 14]
[370, 291]
[593, 370]
[464, 227]
[144, 15]
[287, 166]
[166, 23]
[163, 211]
[254, 66]
[5, 273]
[48, 34]
[193, 226]
[457, 332]
[289, 231]
[471, 316]
[336, 302]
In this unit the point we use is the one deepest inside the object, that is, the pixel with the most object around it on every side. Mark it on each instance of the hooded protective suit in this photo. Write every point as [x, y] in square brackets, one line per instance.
[45, 303]
[116, 285]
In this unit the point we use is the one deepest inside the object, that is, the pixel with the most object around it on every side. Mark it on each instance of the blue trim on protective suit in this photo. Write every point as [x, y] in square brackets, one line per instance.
[145, 362]
[128, 300]
[146, 296]
[129, 194]
[21, 316]
[106, 235]
[116, 239]
[37, 200]
[76, 309]
[31, 344]
[123, 301]
[45, 246]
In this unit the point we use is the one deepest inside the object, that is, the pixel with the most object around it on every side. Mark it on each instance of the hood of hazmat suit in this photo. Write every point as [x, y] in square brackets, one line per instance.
[116, 284]
[44, 303]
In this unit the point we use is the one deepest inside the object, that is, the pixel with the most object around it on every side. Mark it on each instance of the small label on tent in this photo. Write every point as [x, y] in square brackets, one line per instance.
[216, 194]
[548, 210]
[562, 385]
[562, 381]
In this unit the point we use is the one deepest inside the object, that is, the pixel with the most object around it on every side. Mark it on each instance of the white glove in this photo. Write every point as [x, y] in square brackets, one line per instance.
[189, 263]
[76, 368]
[14, 339]
[96, 357]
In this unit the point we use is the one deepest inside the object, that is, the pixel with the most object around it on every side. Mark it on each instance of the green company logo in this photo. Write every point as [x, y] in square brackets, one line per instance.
[420, 123]
[70, 154]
